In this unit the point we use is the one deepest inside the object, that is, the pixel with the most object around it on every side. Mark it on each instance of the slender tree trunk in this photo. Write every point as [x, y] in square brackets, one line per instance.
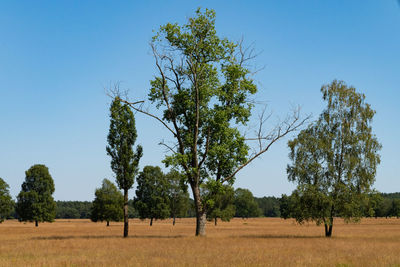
[36, 223]
[215, 221]
[201, 218]
[328, 229]
[173, 222]
[151, 221]
[126, 218]
[108, 223]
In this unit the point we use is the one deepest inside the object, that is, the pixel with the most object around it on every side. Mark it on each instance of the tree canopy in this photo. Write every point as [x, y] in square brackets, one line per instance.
[245, 204]
[152, 200]
[334, 160]
[219, 200]
[108, 203]
[35, 201]
[179, 201]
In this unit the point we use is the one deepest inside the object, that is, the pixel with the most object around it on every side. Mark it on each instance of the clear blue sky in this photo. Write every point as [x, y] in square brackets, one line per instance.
[56, 58]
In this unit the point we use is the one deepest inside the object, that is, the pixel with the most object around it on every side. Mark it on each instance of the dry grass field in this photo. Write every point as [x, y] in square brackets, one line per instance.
[252, 242]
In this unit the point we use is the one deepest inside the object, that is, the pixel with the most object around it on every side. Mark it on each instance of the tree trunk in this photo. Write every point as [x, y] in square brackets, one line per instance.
[36, 223]
[151, 221]
[215, 221]
[328, 229]
[201, 218]
[173, 222]
[126, 218]
[108, 223]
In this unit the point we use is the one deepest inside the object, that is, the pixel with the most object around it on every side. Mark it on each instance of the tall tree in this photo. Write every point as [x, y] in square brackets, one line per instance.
[246, 205]
[334, 160]
[124, 161]
[152, 200]
[6, 202]
[108, 203]
[35, 201]
[203, 88]
[179, 200]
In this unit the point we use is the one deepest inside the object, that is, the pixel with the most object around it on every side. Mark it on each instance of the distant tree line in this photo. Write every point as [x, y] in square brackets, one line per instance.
[233, 203]
[73, 209]
[386, 205]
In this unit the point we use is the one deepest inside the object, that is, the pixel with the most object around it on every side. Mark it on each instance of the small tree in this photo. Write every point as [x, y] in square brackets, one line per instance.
[35, 201]
[124, 161]
[6, 202]
[179, 200]
[108, 204]
[245, 204]
[220, 201]
[151, 199]
[334, 160]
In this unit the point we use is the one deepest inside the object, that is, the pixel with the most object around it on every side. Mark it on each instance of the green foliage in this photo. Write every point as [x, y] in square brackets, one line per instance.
[73, 209]
[67, 213]
[286, 206]
[108, 203]
[121, 138]
[152, 200]
[179, 202]
[395, 210]
[334, 160]
[219, 201]
[205, 108]
[270, 206]
[371, 203]
[245, 204]
[391, 195]
[6, 202]
[132, 212]
[35, 201]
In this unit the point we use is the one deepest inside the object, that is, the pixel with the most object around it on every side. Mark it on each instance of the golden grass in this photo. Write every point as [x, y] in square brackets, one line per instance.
[252, 242]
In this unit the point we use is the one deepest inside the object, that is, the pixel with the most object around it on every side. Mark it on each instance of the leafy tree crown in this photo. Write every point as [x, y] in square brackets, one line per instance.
[121, 138]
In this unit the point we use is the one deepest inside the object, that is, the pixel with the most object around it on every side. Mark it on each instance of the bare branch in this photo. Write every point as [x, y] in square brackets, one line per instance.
[171, 112]
[132, 105]
[114, 91]
[290, 124]
[172, 149]
[246, 54]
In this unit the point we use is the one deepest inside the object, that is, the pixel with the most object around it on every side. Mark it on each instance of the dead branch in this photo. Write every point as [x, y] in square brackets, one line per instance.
[246, 54]
[290, 124]
[172, 149]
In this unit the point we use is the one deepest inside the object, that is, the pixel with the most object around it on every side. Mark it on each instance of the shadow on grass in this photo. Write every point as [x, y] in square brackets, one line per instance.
[281, 236]
[66, 237]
